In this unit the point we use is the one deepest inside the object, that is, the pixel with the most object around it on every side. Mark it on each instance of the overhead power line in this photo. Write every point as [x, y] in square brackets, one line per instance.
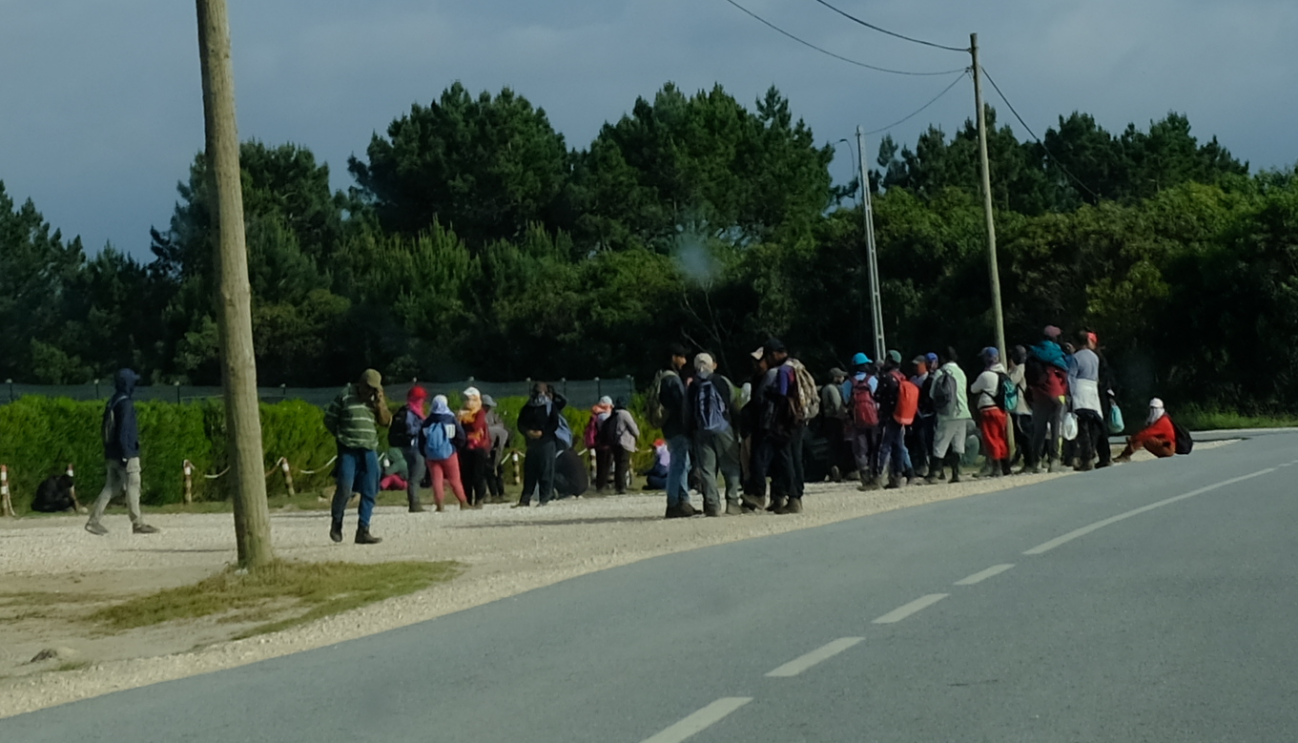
[1028, 129]
[947, 89]
[840, 57]
[894, 34]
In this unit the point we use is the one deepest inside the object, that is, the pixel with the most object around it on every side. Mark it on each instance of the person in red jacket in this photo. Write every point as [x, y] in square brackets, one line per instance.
[1157, 438]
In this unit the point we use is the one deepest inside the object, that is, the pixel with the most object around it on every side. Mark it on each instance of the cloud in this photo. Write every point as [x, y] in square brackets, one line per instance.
[102, 111]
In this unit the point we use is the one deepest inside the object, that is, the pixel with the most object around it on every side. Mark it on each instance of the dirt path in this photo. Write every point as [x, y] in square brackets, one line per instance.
[506, 551]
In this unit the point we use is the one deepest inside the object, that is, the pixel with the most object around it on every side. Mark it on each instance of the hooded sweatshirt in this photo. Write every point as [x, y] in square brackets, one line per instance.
[986, 385]
[355, 415]
[121, 433]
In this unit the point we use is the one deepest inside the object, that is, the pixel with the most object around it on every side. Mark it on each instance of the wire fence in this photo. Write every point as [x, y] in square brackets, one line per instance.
[580, 393]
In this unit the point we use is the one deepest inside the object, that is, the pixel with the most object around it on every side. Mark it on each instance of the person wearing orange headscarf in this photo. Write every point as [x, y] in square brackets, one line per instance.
[477, 446]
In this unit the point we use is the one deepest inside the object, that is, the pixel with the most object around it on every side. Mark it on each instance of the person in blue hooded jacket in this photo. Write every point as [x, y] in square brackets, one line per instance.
[121, 437]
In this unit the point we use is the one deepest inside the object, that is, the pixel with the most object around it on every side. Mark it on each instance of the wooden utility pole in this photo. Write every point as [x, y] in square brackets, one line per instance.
[234, 295]
[872, 255]
[993, 266]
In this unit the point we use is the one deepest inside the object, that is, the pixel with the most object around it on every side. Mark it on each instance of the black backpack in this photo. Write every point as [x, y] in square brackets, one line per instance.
[606, 436]
[399, 434]
[1184, 442]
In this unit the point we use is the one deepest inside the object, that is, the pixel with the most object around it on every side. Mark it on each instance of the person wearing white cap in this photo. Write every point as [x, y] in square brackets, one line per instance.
[1157, 438]
[711, 405]
[477, 447]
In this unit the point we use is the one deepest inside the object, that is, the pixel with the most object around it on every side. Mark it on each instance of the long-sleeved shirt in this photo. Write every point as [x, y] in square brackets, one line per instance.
[353, 420]
[1160, 429]
[986, 385]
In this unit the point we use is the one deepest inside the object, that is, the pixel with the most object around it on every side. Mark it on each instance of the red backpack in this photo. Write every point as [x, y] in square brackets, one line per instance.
[865, 413]
[907, 402]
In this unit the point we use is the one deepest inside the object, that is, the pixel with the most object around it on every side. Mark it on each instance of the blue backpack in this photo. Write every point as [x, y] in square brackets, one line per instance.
[709, 407]
[437, 441]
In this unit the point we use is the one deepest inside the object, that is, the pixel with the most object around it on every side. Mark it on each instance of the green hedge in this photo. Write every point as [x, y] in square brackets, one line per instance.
[40, 436]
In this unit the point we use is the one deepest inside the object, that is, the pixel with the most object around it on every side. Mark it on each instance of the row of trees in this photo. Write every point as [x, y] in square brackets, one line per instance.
[475, 241]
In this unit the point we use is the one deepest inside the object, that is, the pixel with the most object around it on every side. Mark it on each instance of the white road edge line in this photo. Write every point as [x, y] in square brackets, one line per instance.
[798, 665]
[1070, 536]
[983, 575]
[699, 721]
[919, 604]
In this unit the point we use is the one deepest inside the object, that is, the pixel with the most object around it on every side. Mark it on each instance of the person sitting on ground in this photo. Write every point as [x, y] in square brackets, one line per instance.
[395, 472]
[656, 475]
[1157, 438]
[54, 495]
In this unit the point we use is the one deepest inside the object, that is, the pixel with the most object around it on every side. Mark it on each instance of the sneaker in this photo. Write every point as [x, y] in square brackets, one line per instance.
[96, 528]
[144, 529]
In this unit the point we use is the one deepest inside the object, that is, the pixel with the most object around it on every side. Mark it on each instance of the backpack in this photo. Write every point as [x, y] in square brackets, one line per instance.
[399, 434]
[807, 403]
[907, 403]
[1007, 393]
[709, 407]
[607, 436]
[655, 413]
[110, 421]
[1184, 442]
[591, 434]
[943, 393]
[865, 414]
[437, 441]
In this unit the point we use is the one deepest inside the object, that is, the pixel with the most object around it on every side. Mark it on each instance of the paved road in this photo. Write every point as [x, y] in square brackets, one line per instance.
[1153, 602]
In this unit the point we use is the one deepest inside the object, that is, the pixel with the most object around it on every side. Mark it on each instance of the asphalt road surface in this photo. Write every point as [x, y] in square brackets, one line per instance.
[1152, 602]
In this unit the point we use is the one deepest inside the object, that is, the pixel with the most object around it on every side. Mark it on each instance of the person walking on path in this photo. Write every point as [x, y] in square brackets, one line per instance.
[989, 398]
[833, 424]
[442, 437]
[1158, 437]
[601, 450]
[121, 437]
[621, 434]
[953, 417]
[864, 427]
[403, 435]
[1021, 415]
[1047, 378]
[538, 421]
[1088, 403]
[475, 454]
[712, 415]
[499, 444]
[353, 419]
[671, 397]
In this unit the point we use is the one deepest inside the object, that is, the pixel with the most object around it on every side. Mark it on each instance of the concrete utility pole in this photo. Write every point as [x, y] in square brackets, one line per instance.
[234, 295]
[992, 264]
[867, 210]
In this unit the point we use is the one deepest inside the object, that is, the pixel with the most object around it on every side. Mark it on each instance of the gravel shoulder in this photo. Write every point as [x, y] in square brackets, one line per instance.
[506, 552]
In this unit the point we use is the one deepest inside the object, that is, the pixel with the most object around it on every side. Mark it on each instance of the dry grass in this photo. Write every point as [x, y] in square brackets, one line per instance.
[285, 593]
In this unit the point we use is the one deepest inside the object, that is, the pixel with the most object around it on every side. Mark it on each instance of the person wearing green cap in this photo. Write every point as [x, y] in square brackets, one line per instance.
[354, 418]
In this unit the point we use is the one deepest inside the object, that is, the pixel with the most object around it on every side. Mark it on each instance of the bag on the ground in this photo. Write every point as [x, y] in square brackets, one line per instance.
[1116, 424]
[437, 441]
[865, 413]
[655, 413]
[1070, 428]
[399, 434]
[1007, 393]
[1184, 442]
[709, 407]
[808, 399]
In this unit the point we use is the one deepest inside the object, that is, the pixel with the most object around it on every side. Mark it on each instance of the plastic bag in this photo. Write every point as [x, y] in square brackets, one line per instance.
[1070, 426]
[1116, 424]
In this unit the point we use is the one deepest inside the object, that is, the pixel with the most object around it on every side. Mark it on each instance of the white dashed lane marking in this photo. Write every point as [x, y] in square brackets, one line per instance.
[1070, 536]
[919, 604]
[699, 721]
[983, 575]
[798, 665]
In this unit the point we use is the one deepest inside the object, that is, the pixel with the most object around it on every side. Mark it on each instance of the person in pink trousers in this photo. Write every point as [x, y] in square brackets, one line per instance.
[441, 436]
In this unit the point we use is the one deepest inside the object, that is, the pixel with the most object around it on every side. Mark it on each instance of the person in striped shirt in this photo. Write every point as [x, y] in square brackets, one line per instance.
[354, 418]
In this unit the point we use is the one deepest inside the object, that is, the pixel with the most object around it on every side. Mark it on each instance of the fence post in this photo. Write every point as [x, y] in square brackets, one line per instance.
[10, 382]
[288, 475]
[6, 504]
[283, 391]
[189, 483]
[630, 388]
[564, 382]
[72, 475]
[517, 478]
[177, 385]
[96, 389]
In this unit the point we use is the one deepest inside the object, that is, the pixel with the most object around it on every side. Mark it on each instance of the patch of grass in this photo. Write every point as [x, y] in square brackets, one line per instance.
[71, 665]
[1212, 419]
[48, 598]
[295, 592]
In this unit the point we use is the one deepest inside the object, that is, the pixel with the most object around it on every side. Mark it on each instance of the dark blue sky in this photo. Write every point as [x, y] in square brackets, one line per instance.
[100, 108]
